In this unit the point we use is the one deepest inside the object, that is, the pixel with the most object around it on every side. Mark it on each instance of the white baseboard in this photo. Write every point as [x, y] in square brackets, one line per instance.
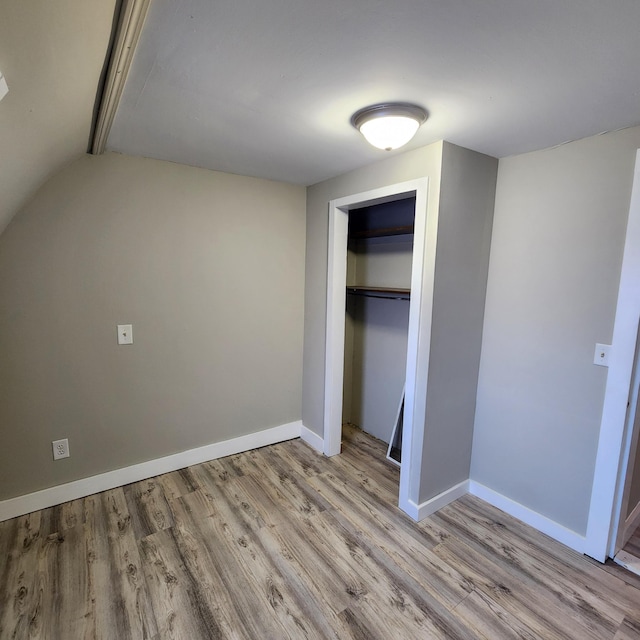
[421, 511]
[312, 439]
[631, 524]
[534, 519]
[111, 479]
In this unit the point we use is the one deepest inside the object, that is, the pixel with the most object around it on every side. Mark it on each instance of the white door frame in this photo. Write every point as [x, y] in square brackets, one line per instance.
[623, 526]
[420, 314]
[614, 443]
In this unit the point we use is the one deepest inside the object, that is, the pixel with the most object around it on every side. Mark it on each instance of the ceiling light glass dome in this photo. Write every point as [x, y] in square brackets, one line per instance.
[390, 125]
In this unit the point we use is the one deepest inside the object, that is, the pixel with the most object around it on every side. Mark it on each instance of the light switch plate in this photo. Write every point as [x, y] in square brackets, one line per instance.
[125, 334]
[601, 355]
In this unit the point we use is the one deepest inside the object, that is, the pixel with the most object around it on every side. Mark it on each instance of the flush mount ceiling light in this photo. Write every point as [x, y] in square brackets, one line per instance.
[390, 125]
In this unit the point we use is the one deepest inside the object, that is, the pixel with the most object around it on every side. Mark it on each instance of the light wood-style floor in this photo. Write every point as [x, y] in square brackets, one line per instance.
[633, 545]
[629, 555]
[283, 543]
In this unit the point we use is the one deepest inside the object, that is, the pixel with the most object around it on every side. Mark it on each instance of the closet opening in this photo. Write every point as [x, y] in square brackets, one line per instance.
[398, 269]
[378, 291]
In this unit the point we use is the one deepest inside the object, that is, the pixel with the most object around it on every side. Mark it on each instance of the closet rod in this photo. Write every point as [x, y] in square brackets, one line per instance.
[380, 292]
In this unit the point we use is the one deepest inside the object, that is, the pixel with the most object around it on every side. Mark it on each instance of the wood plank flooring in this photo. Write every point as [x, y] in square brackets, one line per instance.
[633, 544]
[284, 543]
[629, 555]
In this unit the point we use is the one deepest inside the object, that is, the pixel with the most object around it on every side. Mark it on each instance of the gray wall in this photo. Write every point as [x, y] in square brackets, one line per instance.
[376, 352]
[383, 262]
[380, 360]
[51, 54]
[461, 194]
[556, 254]
[467, 194]
[379, 363]
[208, 267]
[396, 168]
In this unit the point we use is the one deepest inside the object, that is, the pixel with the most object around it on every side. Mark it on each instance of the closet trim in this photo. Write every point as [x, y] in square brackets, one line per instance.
[419, 333]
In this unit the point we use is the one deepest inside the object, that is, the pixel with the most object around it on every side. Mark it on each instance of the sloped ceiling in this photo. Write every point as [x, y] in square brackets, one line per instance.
[267, 87]
[51, 54]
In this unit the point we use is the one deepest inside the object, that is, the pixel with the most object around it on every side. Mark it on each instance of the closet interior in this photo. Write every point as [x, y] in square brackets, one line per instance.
[379, 258]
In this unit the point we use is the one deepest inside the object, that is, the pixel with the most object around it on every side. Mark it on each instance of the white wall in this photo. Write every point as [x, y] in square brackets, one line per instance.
[556, 254]
[209, 268]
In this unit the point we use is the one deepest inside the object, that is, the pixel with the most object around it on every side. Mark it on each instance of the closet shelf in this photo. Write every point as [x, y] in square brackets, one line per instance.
[380, 292]
[381, 233]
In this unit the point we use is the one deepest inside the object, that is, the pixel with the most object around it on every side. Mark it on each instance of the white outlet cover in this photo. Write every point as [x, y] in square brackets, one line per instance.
[60, 449]
[601, 355]
[125, 334]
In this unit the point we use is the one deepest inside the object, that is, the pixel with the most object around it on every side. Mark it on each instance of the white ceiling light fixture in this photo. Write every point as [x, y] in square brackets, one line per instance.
[390, 125]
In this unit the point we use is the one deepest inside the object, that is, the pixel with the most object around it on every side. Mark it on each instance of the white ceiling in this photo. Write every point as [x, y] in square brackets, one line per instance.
[267, 87]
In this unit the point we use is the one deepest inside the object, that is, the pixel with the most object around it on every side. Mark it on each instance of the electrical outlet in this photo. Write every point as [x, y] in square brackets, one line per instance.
[60, 449]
